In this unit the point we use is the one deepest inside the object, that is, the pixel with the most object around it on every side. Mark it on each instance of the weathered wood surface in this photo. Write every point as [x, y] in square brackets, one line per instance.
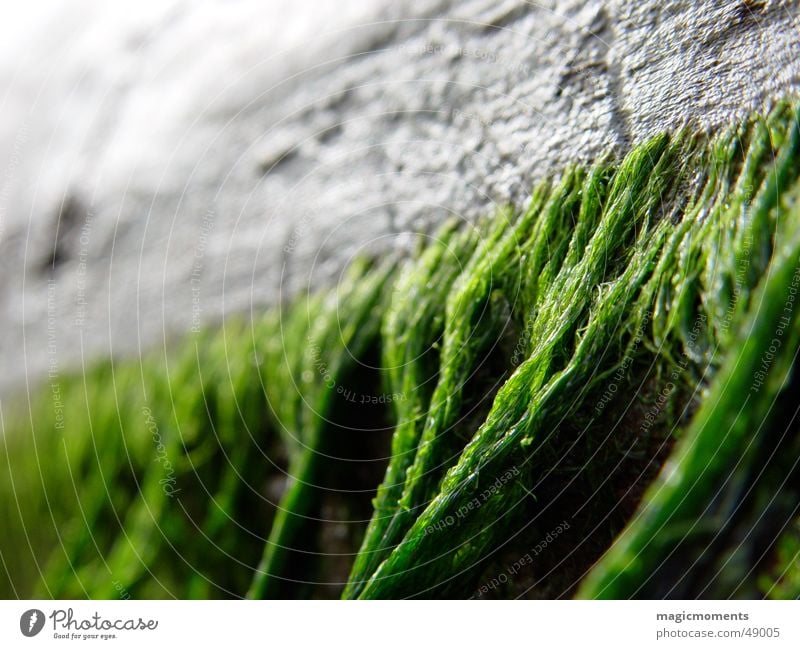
[177, 161]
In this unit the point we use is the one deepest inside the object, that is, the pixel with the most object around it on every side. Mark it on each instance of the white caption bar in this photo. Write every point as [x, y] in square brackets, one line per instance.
[407, 625]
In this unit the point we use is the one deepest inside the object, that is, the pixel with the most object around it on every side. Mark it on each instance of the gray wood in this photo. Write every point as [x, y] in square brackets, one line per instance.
[171, 163]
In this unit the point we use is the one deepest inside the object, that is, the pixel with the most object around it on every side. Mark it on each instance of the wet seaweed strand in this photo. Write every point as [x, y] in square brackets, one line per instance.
[718, 231]
[683, 256]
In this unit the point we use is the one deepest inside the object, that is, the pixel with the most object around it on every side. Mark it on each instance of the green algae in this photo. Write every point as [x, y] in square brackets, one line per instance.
[632, 305]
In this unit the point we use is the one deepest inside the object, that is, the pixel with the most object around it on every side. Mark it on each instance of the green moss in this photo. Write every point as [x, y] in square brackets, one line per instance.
[533, 370]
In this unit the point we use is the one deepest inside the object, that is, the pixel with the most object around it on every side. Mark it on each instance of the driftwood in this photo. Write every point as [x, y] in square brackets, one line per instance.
[164, 167]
